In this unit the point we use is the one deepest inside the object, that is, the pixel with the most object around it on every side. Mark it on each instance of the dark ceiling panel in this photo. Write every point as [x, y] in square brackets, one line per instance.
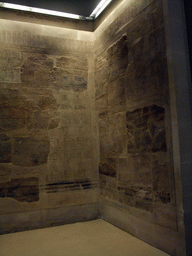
[81, 7]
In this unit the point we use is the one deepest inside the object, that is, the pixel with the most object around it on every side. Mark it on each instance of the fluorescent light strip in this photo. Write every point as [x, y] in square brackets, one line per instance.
[39, 10]
[96, 12]
[100, 7]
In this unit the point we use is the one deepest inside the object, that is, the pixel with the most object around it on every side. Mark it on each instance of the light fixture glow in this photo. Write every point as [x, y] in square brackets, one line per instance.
[96, 12]
[100, 7]
[40, 10]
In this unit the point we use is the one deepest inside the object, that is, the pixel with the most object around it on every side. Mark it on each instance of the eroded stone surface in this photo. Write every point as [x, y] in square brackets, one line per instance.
[23, 190]
[112, 135]
[146, 130]
[131, 82]
[116, 95]
[5, 148]
[146, 74]
[30, 151]
[136, 196]
[37, 72]
[161, 182]
[13, 110]
[70, 79]
[72, 62]
[108, 167]
[118, 58]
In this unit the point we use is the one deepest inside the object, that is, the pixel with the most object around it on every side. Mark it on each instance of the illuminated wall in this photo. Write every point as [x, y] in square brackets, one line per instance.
[67, 95]
[48, 157]
[136, 168]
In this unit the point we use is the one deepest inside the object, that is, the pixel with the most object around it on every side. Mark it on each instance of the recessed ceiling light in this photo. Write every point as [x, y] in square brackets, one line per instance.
[96, 12]
[39, 10]
[100, 7]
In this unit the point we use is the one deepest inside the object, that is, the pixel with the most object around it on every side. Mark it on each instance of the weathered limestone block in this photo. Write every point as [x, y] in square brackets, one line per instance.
[150, 22]
[37, 72]
[118, 58]
[111, 64]
[146, 74]
[47, 102]
[23, 190]
[72, 62]
[101, 78]
[109, 167]
[71, 154]
[155, 47]
[30, 151]
[70, 79]
[106, 34]
[53, 123]
[116, 95]
[135, 181]
[101, 104]
[143, 170]
[112, 135]
[44, 115]
[86, 167]
[161, 181]
[5, 148]
[136, 196]
[108, 186]
[101, 74]
[101, 60]
[107, 170]
[146, 130]
[80, 184]
[10, 63]
[18, 112]
[14, 110]
[5, 173]
[70, 99]
[43, 120]
[126, 171]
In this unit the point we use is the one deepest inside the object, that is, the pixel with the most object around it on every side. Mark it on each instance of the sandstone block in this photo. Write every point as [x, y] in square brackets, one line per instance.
[13, 111]
[146, 130]
[23, 190]
[72, 62]
[5, 148]
[30, 151]
[112, 135]
[37, 72]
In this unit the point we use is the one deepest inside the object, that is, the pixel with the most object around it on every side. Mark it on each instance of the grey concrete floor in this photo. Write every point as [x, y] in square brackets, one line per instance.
[92, 238]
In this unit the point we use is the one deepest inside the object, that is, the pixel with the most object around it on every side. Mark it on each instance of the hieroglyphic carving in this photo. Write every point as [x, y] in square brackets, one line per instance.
[10, 62]
[39, 73]
[70, 158]
[27, 39]
[23, 190]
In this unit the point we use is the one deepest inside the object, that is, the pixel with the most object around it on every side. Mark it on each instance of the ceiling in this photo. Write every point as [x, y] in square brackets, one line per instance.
[80, 7]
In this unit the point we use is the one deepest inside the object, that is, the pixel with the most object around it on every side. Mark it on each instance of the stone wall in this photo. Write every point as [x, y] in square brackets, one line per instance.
[51, 81]
[48, 157]
[132, 101]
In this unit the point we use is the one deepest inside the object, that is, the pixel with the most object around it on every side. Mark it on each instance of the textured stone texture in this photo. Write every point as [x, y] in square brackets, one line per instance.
[21, 189]
[136, 165]
[146, 130]
[48, 130]
[166, 239]
[11, 222]
[14, 113]
[5, 148]
[30, 151]
[48, 150]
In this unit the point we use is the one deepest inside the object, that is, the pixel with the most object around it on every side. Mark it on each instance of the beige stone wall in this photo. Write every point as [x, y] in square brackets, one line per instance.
[48, 150]
[132, 102]
[64, 92]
